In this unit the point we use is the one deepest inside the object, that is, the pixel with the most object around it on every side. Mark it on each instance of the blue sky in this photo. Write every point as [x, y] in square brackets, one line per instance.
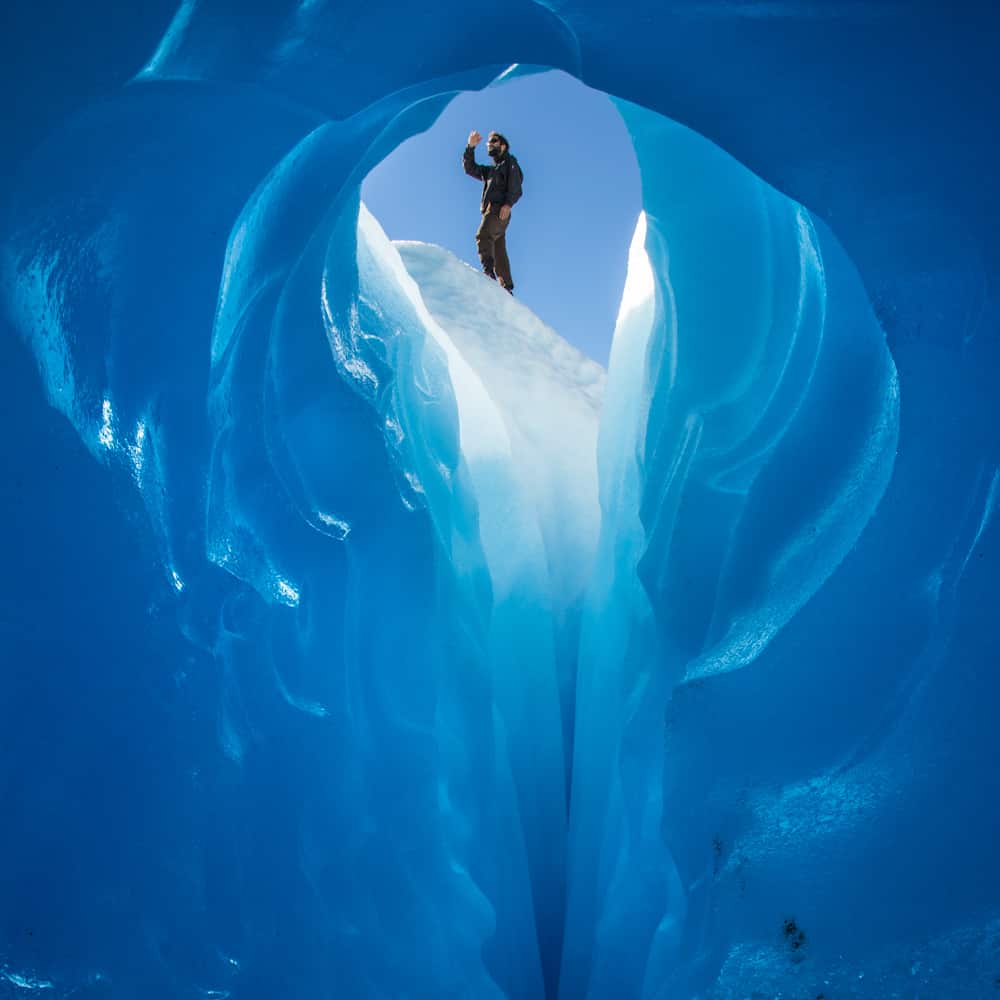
[569, 235]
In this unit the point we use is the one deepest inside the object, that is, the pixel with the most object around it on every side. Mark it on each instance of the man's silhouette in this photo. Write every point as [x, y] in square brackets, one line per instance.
[501, 190]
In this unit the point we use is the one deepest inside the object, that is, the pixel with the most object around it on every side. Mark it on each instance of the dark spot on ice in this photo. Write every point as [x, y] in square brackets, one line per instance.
[795, 937]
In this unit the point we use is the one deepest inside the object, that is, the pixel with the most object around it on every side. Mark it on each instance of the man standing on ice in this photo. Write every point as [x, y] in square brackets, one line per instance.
[501, 189]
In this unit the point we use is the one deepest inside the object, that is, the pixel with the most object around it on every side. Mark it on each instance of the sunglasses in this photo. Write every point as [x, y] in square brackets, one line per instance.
[493, 142]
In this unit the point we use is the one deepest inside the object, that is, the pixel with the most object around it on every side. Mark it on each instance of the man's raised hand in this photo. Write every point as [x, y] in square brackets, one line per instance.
[474, 138]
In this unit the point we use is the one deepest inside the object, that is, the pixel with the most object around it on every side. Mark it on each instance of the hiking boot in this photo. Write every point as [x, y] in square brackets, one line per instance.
[488, 268]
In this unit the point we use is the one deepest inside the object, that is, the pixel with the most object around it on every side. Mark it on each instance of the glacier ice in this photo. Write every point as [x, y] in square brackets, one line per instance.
[360, 638]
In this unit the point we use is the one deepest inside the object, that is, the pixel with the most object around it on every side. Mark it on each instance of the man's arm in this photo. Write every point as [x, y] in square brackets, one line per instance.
[513, 183]
[472, 168]
[513, 188]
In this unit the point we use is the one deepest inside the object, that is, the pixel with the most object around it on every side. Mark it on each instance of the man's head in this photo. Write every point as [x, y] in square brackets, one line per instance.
[496, 145]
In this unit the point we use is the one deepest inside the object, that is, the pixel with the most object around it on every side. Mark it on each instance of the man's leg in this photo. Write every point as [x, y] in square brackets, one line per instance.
[485, 240]
[501, 261]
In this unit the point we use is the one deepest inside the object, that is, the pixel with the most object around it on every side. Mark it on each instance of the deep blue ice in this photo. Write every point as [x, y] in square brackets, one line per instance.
[351, 648]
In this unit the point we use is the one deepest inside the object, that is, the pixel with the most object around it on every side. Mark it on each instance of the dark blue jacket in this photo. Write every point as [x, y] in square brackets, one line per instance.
[501, 181]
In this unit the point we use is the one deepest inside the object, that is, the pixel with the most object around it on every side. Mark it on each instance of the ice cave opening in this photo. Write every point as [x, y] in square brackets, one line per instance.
[571, 231]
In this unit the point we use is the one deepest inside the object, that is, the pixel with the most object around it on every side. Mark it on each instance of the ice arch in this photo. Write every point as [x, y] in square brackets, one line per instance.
[164, 257]
[571, 248]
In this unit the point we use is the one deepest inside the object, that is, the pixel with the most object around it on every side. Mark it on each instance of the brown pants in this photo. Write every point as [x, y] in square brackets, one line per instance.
[491, 242]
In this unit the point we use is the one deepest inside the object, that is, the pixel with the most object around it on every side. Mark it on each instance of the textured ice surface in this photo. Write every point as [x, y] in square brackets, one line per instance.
[359, 639]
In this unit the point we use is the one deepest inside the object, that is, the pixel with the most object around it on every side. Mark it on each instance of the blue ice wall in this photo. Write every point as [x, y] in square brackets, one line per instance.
[283, 661]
